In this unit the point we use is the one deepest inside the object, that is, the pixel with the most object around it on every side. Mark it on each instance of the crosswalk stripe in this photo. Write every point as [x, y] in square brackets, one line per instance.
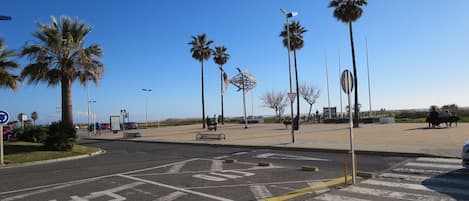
[456, 181]
[433, 165]
[331, 197]
[439, 160]
[217, 165]
[429, 188]
[389, 194]
[418, 171]
[260, 191]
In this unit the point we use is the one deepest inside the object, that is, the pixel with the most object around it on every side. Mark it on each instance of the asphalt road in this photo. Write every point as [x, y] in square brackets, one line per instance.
[159, 171]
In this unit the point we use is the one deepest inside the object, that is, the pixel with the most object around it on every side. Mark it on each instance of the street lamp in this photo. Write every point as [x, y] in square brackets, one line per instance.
[147, 91]
[94, 118]
[289, 15]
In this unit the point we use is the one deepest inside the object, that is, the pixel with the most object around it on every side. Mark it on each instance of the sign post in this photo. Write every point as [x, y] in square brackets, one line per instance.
[4, 117]
[346, 81]
[292, 97]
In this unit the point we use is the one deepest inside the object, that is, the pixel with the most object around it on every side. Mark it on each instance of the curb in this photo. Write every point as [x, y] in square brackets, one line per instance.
[274, 147]
[99, 152]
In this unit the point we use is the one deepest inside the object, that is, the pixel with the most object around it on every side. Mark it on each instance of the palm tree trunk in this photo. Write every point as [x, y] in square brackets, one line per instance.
[67, 115]
[309, 113]
[203, 97]
[221, 92]
[297, 92]
[356, 115]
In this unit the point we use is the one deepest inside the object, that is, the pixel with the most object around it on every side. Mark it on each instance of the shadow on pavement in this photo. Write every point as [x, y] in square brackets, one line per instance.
[453, 184]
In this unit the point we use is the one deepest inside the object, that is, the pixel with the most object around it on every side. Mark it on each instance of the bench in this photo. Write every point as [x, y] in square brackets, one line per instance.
[132, 134]
[210, 136]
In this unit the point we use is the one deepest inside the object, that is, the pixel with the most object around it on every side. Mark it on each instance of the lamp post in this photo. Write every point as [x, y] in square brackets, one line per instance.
[94, 117]
[124, 114]
[88, 104]
[147, 91]
[289, 15]
[244, 98]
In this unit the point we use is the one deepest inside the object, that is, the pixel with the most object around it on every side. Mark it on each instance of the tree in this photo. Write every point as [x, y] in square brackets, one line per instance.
[201, 51]
[349, 11]
[310, 94]
[34, 116]
[221, 57]
[6, 78]
[296, 43]
[60, 58]
[275, 100]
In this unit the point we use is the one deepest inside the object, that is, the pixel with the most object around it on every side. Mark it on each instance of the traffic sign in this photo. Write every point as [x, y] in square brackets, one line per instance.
[346, 80]
[292, 97]
[4, 117]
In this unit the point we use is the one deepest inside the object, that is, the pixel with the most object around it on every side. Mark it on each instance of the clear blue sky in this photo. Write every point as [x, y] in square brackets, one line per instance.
[418, 54]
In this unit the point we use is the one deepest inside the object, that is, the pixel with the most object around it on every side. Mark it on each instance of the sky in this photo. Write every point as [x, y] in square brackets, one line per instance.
[417, 54]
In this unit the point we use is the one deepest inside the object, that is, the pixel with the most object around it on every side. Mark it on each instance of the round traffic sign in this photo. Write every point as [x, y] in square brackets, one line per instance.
[4, 117]
[346, 81]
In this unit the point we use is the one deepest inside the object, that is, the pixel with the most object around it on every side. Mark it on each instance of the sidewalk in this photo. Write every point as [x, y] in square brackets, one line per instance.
[396, 138]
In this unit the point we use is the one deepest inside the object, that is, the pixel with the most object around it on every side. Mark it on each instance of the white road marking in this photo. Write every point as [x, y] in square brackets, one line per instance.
[433, 165]
[220, 157]
[317, 192]
[439, 160]
[243, 185]
[177, 188]
[157, 167]
[246, 174]
[418, 171]
[389, 194]
[217, 165]
[427, 187]
[288, 157]
[229, 176]
[176, 168]
[208, 177]
[331, 197]
[21, 196]
[172, 196]
[205, 171]
[312, 183]
[240, 153]
[260, 191]
[110, 192]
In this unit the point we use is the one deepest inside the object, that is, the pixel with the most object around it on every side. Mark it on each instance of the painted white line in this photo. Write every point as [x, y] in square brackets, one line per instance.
[433, 165]
[389, 194]
[177, 188]
[208, 177]
[229, 176]
[205, 171]
[418, 171]
[90, 179]
[217, 165]
[220, 157]
[240, 153]
[243, 185]
[288, 157]
[331, 197]
[47, 189]
[443, 180]
[427, 187]
[172, 196]
[320, 191]
[312, 183]
[439, 160]
[176, 168]
[108, 193]
[260, 192]
[245, 174]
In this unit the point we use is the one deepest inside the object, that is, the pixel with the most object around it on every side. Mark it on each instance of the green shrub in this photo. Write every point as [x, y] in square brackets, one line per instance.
[61, 137]
[35, 134]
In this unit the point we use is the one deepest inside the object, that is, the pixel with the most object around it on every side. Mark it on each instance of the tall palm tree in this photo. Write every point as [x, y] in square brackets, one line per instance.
[61, 58]
[221, 57]
[296, 43]
[34, 117]
[201, 51]
[7, 79]
[349, 11]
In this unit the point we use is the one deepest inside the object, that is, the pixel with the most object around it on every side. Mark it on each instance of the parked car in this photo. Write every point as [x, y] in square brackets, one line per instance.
[465, 155]
[131, 125]
[8, 133]
[105, 126]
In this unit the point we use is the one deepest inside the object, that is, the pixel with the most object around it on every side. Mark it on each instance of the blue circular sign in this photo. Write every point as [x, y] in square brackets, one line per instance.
[4, 117]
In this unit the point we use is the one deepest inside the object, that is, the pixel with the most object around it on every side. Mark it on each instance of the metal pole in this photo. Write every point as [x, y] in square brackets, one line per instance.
[147, 91]
[94, 122]
[327, 80]
[244, 101]
[1, 145]
[368, 69]
[352, 150]
[340, 90]
[88, 102]
[289, 75]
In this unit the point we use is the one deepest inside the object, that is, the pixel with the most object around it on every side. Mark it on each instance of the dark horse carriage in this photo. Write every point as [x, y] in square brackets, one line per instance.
[435, 119]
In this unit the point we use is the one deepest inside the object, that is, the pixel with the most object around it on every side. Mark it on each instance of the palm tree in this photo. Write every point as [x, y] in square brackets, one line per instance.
[296, 43]
[61, 58]
[201, 51]
[349, 11]
[34, 116]
[221, 57]
[6, 78]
